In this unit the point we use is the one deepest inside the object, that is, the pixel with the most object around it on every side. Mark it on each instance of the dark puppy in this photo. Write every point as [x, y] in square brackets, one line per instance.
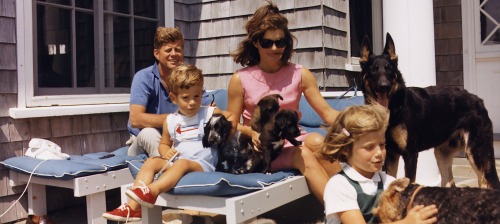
[284, 125]
[446, 119]
[455, 205]
[267, 107]
[238, 152]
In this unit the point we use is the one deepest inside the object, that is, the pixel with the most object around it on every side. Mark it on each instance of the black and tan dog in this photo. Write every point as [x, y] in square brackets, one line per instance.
[446, 119]
[455, 205]
[284, 125]
[267, 107]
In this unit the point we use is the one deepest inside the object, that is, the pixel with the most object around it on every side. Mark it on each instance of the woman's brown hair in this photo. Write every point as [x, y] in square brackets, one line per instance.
[265, 18]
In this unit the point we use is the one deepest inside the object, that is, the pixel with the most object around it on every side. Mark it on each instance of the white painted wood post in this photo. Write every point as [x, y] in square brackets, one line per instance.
[151, 215]
[37, 199]
[411, 25]
[96, 205]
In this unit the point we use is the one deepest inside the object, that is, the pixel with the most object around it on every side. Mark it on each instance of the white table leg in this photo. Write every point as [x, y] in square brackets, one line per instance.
[96, 205]
[37, 199]
[151, 215]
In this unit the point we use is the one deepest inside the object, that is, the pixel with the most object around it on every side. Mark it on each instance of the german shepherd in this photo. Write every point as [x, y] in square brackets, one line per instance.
[446, 119]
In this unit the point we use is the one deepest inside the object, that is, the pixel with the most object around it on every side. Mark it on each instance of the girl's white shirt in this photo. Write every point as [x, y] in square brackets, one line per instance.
[341, 196]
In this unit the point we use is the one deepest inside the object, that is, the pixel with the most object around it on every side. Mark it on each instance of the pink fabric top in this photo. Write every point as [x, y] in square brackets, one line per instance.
[256, 84]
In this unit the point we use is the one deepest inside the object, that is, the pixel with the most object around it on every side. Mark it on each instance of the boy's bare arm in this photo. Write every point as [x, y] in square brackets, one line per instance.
[230, 117]
[165, 148]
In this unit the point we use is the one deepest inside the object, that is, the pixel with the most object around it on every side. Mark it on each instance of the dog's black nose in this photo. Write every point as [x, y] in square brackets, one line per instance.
[383, 84]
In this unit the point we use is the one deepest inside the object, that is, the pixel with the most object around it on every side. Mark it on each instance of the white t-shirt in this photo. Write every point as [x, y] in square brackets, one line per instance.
[341, 196]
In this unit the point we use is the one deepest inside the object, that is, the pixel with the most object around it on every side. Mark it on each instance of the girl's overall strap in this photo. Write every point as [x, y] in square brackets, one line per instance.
[366, 202]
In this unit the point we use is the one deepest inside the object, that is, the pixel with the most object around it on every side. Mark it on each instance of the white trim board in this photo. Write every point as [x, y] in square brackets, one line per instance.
[18, 113]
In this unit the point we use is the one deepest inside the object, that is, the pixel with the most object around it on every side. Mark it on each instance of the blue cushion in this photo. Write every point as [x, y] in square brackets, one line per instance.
[221, 184]
[75, 166]
[311, 119]
[220, 96]
[52, 169]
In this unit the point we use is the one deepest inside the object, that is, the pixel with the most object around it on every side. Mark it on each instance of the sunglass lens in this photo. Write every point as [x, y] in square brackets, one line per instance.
[281, 43]
[266, 43]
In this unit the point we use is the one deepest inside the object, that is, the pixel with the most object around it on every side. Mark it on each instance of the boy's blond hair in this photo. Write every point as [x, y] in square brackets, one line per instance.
[183, 77]
[357, 121]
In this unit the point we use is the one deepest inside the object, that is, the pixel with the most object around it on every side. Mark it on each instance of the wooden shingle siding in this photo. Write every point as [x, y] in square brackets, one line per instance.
[213, 29]
[8, 56]
[19, 129]
[448, 43]
[7, 30]
[8, 8]
[8, 81]
[7, 101]
[4, 130]
[13, 214]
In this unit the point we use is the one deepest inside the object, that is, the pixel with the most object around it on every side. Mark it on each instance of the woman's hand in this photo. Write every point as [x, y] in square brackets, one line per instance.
[420, 214]
[256, 141]
[170, 154]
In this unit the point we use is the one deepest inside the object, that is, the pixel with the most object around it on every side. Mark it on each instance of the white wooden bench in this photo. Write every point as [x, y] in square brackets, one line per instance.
[238, 209]
[93, 187]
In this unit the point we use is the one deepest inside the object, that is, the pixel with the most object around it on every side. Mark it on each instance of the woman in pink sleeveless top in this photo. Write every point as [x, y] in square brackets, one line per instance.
[266, 52]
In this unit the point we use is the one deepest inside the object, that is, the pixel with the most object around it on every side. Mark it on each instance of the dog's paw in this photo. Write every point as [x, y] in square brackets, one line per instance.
[296, 143]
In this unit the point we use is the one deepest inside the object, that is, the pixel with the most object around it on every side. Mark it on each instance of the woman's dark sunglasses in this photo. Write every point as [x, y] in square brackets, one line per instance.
[266, 43]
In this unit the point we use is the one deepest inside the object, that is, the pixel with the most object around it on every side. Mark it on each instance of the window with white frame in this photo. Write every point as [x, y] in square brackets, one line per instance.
[86, 47]
[489, 19]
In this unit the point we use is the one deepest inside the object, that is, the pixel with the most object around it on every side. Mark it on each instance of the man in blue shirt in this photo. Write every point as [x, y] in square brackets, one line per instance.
[150, 103]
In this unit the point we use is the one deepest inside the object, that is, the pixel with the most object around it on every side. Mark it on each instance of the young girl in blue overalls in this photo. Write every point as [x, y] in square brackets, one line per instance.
[357, 138]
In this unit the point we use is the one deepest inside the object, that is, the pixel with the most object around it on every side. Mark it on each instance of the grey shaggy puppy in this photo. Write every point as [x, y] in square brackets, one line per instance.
[455, 205]
[238, 152]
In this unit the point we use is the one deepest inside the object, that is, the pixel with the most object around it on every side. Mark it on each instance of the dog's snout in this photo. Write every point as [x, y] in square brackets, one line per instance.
[383, 84]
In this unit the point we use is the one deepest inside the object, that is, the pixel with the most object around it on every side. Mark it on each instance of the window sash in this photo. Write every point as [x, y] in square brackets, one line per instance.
[26, 45]
[377, 35]
[488, 50]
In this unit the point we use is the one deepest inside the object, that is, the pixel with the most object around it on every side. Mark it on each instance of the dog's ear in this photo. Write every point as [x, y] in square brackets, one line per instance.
[278, 96]
[225, 130]
[365, 51]
[390, 49]
[206, 130]
[262, 102]
[400, 184]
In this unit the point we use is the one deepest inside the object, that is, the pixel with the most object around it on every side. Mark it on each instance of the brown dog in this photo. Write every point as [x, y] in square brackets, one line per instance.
[455, 205]
[268, 106]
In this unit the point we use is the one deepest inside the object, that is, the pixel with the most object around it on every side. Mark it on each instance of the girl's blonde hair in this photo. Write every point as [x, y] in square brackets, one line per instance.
[184, 76]
[357, 121]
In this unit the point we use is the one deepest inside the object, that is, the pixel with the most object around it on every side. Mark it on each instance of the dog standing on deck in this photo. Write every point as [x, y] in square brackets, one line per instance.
[446, 119]
[455, 205]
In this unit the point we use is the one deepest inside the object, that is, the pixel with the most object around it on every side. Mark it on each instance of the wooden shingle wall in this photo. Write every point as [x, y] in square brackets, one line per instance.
[448, 43]
[75, 134]
[212, 29]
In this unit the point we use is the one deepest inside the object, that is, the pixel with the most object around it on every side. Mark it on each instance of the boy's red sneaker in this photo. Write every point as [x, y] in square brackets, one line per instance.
[123, 214]
[142, 195]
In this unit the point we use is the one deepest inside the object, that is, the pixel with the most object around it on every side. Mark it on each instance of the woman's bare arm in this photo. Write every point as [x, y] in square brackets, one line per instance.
[315, 99]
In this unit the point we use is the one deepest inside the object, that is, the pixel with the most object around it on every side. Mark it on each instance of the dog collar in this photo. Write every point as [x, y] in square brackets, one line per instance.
[408, 208]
